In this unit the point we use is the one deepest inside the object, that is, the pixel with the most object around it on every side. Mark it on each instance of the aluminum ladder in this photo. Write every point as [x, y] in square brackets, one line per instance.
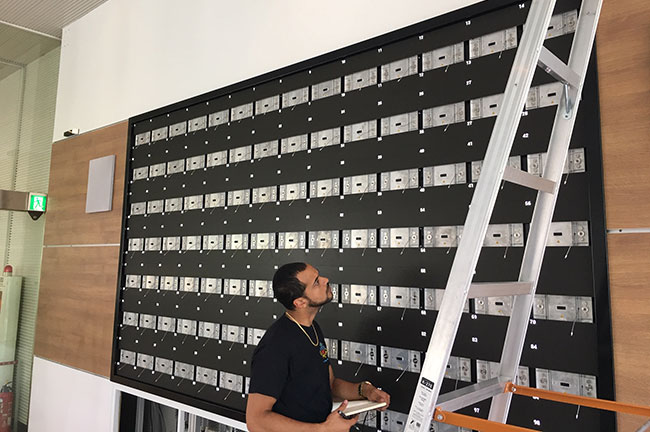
[530, 54]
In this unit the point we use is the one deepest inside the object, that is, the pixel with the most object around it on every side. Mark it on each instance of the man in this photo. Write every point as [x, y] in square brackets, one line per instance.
[292, 381]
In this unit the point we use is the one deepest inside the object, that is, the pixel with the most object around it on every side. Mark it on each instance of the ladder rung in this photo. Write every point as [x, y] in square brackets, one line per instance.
[602, 404]
[499, 289]
[469, 395]
[557, 68]
[517, 176]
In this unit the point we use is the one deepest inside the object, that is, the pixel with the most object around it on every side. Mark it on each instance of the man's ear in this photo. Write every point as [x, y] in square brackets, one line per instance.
[299, 303]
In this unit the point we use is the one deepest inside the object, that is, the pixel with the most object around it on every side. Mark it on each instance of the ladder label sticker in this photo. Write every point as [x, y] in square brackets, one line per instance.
[421, 404]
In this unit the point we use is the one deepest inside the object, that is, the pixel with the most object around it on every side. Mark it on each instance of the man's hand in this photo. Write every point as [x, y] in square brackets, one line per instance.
[336, 423]
[373, 394]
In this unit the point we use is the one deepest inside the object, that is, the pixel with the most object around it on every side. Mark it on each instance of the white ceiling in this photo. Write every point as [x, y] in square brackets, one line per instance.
[45, 16]
[20, 47]
[32, 28]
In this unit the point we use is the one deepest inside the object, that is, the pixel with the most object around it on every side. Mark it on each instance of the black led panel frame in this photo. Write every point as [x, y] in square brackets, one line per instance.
[362, 162]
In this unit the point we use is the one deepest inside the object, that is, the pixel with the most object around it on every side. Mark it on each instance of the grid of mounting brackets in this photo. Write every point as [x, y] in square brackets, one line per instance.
[363, 163]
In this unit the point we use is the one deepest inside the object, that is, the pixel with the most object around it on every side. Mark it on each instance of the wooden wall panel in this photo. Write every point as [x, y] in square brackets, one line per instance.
[624, 81]
[630, 299]
[78, 284]
[76, 307]
[67, 221]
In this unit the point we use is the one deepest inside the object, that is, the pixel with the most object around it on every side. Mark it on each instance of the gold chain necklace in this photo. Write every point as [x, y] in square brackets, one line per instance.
[303, 330]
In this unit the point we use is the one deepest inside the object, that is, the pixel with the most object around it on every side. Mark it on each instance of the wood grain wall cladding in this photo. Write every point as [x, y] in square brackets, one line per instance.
[624, 81]
[629, 274]
[76, 307]
[67, 221]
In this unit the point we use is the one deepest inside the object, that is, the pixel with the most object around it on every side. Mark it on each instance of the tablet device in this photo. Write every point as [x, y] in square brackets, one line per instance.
[361, 406]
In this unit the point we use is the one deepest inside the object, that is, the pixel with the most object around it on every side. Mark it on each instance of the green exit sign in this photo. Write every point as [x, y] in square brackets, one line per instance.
[37, 202]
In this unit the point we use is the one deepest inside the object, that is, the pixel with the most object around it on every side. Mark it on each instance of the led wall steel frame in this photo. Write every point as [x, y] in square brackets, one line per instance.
[362, 162]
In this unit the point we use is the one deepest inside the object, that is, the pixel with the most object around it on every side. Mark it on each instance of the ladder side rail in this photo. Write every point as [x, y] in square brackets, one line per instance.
[545, 206]
[480, 211]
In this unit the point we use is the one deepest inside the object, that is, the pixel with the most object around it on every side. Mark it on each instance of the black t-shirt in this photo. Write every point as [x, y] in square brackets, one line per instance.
[287, 367]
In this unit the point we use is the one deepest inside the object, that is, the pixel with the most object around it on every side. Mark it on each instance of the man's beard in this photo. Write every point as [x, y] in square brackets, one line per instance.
[313, 304]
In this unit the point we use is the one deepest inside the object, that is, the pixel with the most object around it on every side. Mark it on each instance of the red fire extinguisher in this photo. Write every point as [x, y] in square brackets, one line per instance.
[6, 390]
[6, 408]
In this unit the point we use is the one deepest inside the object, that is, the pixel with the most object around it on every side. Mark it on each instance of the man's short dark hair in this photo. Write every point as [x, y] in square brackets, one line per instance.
[286, 286]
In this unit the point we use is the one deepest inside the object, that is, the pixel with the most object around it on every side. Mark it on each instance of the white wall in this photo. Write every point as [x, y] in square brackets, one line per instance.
[69, 400]
[128, 57]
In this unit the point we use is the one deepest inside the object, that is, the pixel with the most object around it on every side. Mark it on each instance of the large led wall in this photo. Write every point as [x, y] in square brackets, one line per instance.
[363, 162]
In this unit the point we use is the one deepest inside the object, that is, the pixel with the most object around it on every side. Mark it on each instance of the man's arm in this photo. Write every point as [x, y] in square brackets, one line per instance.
[342, 389]
[347, 390]
[261, 418]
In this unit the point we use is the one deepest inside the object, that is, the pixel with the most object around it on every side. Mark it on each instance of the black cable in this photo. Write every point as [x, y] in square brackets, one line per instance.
[154, 417]
[146, 418]
[162, 419]
[363, 423]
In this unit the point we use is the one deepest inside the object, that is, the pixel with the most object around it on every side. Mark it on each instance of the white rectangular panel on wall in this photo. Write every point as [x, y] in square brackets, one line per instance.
[99, 195]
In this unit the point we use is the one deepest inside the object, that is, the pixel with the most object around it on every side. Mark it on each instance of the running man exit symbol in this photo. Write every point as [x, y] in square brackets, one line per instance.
[37, 202]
